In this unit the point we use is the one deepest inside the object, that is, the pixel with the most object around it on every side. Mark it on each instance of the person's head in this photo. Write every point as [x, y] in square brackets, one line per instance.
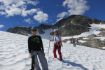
[34, 31]
[56, 33]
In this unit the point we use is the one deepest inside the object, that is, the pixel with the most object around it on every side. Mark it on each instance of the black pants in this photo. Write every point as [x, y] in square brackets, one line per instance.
[32, 63]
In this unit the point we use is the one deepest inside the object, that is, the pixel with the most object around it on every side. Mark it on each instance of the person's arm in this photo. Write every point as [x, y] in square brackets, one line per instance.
[41, 43]
[51, 38]
[29, 45]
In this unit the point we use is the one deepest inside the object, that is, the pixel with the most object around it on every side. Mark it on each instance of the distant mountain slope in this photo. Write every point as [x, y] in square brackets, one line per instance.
[94, 38]
[72, 25]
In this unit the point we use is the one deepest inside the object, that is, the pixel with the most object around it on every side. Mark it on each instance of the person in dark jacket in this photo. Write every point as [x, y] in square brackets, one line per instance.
[36, 51]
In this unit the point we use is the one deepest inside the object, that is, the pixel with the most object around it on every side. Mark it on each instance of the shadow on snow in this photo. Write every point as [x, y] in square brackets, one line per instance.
[74, 64]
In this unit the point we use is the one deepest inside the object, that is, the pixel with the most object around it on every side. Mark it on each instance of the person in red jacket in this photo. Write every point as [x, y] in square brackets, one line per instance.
[57, 45]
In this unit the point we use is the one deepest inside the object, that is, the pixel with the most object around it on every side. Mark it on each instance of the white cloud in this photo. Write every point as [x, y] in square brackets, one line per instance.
[62, 14]
[34, 2]
[7, 2]
[20, 7]
[1, 26]
[13, 11]
[2, 13]
[29, 12]
[28, 20]
[13, 7]
[41, 16]
[75, 7]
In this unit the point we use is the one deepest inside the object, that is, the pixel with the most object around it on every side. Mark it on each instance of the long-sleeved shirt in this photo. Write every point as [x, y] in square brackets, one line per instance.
[56, 39]
[35, 43]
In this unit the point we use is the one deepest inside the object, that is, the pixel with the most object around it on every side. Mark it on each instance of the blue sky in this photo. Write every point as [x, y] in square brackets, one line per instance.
[34, 12]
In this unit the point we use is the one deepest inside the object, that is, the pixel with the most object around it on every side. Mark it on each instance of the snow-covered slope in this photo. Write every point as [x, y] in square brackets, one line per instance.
[14, 55]
[94, 29]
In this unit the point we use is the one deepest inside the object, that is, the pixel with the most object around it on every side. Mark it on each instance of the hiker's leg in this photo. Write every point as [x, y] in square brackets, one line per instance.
[54, 51]
[37, 67]
[32, 63]
[43, 60]
[59, 52]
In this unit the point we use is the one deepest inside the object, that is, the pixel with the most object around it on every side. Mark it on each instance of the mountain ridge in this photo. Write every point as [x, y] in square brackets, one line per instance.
[72, 25]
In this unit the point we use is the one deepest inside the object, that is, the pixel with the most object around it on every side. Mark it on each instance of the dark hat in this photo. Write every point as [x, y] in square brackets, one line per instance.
[34, 29]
